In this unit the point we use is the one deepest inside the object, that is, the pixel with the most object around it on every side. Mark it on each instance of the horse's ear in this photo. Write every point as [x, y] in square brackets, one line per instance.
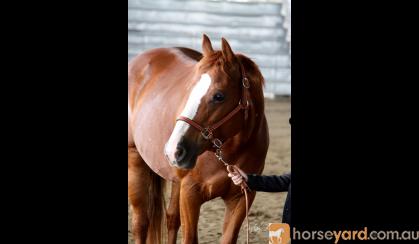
[206, 46]
[227, 52]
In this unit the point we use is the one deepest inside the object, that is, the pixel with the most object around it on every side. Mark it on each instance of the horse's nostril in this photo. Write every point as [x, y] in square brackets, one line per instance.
[180, 153]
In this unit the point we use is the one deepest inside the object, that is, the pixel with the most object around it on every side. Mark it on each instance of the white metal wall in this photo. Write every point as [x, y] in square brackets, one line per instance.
[253, 28]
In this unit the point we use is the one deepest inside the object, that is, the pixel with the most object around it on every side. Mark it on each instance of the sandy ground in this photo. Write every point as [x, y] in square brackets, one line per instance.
[267, 207]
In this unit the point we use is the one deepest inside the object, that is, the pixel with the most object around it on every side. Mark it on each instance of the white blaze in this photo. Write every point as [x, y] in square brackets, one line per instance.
[189, 111]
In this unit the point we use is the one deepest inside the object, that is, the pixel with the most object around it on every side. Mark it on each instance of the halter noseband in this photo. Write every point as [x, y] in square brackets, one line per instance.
[207, 132]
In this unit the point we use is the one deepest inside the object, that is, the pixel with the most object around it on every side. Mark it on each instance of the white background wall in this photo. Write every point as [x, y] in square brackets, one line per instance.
[259, 29]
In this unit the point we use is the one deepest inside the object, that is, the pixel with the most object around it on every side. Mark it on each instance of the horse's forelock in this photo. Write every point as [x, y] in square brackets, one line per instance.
[252, 70]
[214, 59]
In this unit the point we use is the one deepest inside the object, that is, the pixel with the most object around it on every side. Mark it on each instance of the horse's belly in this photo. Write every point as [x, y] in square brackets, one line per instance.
[153, 124]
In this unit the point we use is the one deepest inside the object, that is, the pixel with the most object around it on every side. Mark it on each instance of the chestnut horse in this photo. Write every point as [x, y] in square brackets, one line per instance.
[179, 102]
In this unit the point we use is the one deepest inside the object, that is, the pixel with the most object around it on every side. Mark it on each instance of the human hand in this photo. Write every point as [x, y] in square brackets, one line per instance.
[237, 177]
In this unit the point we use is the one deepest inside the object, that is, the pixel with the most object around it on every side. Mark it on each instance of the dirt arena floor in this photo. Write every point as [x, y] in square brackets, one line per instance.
[267, 207]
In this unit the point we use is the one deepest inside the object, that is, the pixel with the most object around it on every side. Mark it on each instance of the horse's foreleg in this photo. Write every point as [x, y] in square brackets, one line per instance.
[234, 215]
[173, 213]
[138, 173]
[190, 204]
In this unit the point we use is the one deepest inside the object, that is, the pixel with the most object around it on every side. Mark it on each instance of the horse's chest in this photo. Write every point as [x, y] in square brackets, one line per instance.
[215, 186]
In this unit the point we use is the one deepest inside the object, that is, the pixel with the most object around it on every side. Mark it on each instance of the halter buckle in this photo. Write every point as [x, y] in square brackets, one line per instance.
[244, 106]
[245, 82]
[206, 133]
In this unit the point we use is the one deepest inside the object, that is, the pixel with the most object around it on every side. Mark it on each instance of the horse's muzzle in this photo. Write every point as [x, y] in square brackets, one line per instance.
[186, 154]
[180, 153]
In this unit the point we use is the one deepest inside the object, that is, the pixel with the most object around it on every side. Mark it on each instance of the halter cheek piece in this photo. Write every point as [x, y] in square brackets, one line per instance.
[207, 132]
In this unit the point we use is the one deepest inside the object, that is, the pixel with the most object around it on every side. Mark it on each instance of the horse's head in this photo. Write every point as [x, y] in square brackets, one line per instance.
[215, 91]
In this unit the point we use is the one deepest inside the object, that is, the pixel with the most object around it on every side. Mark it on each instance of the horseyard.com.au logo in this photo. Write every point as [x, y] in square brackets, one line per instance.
[279, 233]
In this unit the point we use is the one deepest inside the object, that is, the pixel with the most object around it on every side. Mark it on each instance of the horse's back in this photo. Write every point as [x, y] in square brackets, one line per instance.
[163, 66]
[160, 60]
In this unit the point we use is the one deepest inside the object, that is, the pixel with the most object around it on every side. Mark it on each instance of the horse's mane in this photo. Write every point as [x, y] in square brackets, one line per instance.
[257, 82]
[252, 71]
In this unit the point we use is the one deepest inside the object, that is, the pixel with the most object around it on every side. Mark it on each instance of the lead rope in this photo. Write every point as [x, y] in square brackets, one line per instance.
[233, 169]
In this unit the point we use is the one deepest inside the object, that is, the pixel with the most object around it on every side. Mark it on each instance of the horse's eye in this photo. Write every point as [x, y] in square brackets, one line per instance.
[218, 97]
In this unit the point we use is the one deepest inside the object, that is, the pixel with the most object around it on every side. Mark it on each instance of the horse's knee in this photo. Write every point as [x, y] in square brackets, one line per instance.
[229, 240]
[139, 227]
[140, 221]
[190, 238]
[138, 176]
[137, 173]
[173, 220]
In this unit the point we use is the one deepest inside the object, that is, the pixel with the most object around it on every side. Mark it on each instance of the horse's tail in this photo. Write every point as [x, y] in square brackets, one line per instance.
[156, 209]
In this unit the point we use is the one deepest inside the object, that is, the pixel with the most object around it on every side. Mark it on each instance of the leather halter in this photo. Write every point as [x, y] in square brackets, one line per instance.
[207, 132]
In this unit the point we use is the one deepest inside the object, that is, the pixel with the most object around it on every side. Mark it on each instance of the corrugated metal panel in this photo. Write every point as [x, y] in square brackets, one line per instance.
[252, 28]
